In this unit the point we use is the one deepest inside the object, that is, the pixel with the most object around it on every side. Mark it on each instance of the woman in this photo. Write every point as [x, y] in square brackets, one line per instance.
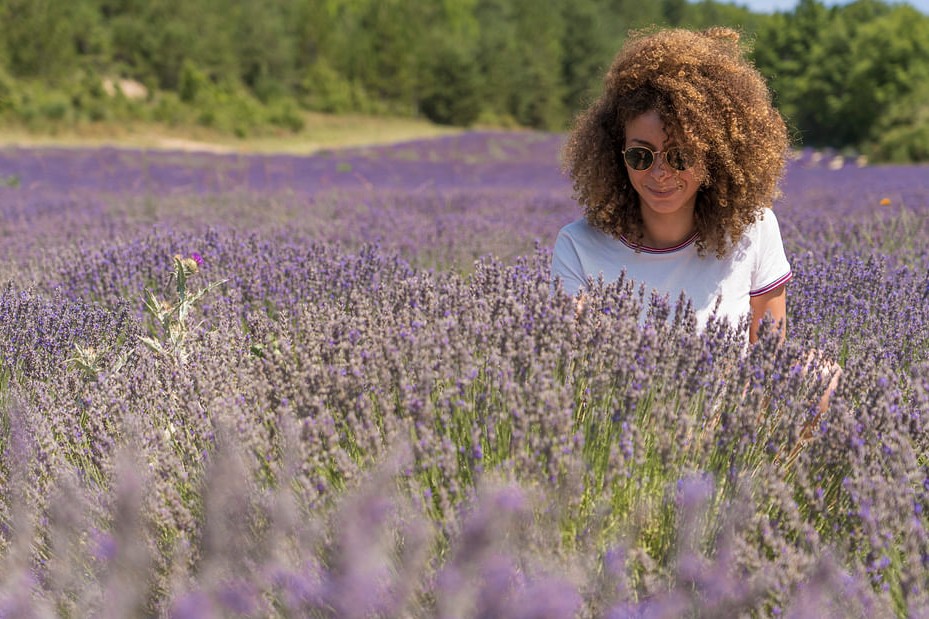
[676, 165]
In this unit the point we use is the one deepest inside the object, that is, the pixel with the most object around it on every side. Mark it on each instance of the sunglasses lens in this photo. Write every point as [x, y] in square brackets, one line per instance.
[638, 158]
[679, 159]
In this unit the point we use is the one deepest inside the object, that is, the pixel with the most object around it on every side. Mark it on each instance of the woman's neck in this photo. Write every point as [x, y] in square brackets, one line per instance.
[663, 232]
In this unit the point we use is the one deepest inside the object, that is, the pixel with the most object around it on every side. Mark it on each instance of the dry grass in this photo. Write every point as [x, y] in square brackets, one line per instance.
[321, 131]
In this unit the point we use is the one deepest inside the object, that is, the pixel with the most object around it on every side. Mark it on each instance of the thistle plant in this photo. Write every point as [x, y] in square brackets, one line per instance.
[90, 360]
[172, 316]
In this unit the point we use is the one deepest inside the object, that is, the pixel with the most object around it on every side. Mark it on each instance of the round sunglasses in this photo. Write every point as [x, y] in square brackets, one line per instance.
[641, 158]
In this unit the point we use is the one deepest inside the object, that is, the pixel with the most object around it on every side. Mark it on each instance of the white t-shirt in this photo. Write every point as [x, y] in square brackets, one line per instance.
[755, 265]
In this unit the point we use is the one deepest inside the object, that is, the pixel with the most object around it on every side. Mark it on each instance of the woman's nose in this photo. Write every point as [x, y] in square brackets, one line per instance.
[660, 167]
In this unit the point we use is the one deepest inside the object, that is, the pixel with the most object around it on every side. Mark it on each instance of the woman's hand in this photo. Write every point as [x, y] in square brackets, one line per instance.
[581, 303]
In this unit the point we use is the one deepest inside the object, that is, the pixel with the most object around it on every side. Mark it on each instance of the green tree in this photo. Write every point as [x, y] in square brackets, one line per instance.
[785, 50]
[42, 38]
[902, 132]
[449, 75]
[496, 52]
[843, 76]
[451, 91]
[391, 57]
[154, 38]
[711, 13]
[829, 103]
[673, 11]
[588, 47]
[537, 100]
[889, 60]
[264, 47]
[835, 72]
[520, 56]
[625, 15]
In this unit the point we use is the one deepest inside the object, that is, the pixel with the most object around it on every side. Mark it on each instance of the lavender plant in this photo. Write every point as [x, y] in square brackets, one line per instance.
[384, 411]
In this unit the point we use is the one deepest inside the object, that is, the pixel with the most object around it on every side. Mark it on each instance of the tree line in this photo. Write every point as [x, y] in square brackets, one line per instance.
[854, 77]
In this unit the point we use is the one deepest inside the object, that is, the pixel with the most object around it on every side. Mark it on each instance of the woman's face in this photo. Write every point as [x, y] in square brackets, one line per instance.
[663, 190]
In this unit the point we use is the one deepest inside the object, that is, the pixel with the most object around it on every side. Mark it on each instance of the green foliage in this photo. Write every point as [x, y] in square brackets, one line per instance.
[519, 52]
[326, 90]
[286, 115]
[902, 134]
[192, 82]
[227, 106]
[783, 51]
[39, 107]
[263, 48]
[674, 11]
[836, 72]
[39, 37]
[890, 58]
[709, 13]
[452, 93]
[7, 93]
[588, 46]
[169, 109]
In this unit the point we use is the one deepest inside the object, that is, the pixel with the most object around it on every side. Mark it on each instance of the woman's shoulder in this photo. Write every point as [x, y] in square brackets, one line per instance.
[765, 225]
[581, 230]
[589, 242]
[759, 237]
[762, 241]
[579, 226]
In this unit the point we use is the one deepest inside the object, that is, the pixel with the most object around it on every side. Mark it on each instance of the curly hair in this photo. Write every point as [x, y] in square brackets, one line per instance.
[712, 101]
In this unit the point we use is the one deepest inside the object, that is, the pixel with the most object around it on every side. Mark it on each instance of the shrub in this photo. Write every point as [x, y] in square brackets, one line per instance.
[192, 82]
[452, 91]
[286, 114]
[901, 135]
[8, 97]
[326, 90]
[168, 108]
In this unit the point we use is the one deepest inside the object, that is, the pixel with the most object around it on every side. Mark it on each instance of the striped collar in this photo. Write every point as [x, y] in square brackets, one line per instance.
[656, 250]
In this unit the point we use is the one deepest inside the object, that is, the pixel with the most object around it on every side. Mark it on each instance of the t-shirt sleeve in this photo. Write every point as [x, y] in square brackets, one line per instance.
[772, 269]
[566, 265]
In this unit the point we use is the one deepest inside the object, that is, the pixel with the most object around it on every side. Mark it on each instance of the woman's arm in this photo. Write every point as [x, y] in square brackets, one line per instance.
[773, 303]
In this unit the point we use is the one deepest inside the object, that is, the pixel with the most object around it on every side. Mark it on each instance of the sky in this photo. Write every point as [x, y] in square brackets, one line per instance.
[769, 6]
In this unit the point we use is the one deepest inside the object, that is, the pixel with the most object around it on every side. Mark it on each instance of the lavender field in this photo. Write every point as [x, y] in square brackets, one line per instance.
[339, 386]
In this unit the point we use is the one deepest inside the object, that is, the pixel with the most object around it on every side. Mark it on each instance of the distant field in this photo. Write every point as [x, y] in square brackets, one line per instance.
[322, 131]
